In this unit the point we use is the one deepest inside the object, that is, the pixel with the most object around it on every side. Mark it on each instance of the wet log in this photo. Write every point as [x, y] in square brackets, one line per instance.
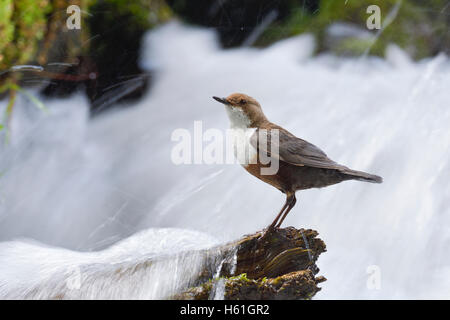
[275, 265]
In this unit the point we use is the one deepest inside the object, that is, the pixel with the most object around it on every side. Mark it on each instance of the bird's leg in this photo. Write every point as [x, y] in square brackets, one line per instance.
[292, 200]
[272, 226]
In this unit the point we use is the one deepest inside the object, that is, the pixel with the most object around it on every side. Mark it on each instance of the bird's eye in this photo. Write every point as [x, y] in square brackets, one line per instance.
[243, 101]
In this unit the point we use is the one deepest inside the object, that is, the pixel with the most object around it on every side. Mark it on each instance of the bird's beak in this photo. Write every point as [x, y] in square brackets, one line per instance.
[221, 100]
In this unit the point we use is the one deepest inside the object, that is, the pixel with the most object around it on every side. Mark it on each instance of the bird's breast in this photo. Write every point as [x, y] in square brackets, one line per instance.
[243, 150]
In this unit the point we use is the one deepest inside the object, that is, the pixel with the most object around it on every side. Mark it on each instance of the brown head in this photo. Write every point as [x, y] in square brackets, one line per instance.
[243, 110]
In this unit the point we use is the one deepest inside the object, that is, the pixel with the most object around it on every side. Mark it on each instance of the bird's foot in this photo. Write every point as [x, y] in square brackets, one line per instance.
[268, 231]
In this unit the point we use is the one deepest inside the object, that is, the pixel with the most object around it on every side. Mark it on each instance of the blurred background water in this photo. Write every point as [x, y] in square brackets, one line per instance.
[81, 184]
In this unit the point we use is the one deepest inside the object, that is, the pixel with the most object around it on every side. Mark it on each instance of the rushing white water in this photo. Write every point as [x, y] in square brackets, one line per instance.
[148, 265]
[83, 184]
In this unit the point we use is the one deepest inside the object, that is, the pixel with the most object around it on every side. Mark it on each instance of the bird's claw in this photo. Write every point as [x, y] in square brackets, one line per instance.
[268, 231]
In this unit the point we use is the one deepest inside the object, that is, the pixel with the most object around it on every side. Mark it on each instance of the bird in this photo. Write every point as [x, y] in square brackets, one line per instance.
[301, 165]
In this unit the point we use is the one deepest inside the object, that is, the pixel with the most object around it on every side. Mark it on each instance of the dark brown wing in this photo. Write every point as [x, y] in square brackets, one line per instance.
[291, 149]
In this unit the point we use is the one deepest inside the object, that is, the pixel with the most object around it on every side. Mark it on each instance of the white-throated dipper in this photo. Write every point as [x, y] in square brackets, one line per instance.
[301, 165]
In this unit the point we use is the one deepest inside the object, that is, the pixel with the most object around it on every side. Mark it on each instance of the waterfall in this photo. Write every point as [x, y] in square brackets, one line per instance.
[79, 185]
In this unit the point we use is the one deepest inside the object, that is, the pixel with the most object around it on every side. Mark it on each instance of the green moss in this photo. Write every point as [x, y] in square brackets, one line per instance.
[207, 286]
[276, 281]
[22, 26]
[6, 27]
[242, 277]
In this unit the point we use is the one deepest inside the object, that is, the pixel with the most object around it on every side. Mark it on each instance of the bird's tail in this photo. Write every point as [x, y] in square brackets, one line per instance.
[362, 176]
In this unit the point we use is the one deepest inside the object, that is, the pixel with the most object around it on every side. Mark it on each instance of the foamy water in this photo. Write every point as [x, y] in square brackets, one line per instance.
[82, 184]
[151, 264]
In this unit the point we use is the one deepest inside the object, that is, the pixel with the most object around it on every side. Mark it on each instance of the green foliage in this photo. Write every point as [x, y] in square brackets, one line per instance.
[144, 13]
[401, 31]
[294, 24]
[420, 27]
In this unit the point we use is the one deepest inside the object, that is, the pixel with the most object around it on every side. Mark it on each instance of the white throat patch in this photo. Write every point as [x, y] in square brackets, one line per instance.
[238, 118]
[241, 133]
